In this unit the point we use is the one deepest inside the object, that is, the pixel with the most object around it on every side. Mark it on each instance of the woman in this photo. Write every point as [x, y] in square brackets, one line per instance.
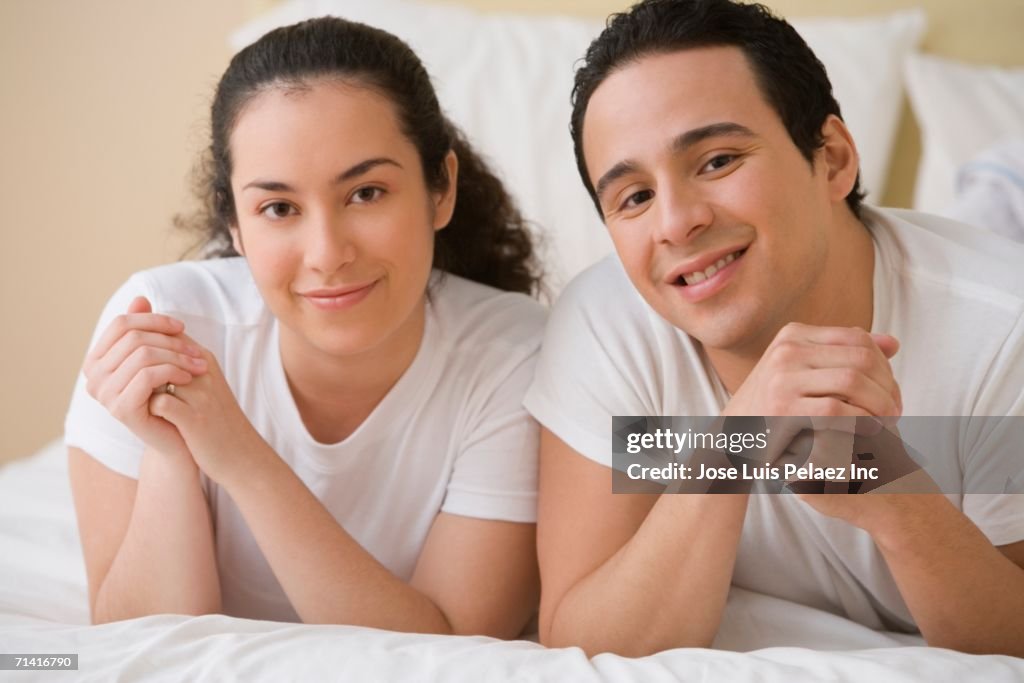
[328, 427]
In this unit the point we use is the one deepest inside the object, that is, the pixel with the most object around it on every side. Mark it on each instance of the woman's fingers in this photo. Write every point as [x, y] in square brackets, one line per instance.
[132, 403]
[140, 304]
[132, 341]
[140, 360]
[127, 322]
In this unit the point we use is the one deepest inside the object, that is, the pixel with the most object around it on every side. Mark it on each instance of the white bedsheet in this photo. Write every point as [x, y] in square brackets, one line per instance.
[43, 610]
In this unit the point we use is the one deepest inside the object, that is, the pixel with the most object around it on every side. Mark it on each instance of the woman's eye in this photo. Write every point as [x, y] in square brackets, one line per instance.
[277, 210]
[719, 162]
[636, 199]
[365, 195]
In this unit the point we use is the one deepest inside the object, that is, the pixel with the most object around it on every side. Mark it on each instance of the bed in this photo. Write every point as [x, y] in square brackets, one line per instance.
[43, 604]
[43, 610]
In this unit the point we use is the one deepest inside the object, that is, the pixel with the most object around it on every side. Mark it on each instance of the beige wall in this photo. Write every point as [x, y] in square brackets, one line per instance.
[103, 108]
[104, 111]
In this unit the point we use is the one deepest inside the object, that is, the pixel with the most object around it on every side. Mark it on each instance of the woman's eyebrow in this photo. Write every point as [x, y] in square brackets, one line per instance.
[364, 167]
[353, 172]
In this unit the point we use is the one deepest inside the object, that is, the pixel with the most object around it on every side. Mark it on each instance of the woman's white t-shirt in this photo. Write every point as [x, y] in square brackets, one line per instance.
[450, 436]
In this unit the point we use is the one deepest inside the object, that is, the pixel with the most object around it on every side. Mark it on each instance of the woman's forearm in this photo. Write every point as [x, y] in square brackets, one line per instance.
[166, 563]
[326, 574]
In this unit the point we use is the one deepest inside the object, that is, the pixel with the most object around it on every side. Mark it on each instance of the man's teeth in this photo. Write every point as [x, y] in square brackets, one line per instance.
[702, 275]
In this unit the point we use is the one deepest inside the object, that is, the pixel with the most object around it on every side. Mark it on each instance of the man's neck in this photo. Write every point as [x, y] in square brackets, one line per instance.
[843, 297]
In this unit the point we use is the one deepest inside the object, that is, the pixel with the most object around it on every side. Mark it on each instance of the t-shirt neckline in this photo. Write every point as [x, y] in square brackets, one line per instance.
[386, 415]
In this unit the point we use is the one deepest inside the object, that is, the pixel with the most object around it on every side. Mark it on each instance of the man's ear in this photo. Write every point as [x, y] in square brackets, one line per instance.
[842, 163]
[444, 201]
[236, 239]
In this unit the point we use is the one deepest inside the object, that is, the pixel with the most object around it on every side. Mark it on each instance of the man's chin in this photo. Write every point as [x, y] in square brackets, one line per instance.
[726, 331]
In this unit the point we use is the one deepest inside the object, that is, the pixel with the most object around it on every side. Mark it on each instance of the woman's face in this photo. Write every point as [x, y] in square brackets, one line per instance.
[334, 216]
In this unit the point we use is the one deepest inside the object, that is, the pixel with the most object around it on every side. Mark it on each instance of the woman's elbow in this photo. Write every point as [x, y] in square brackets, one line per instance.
[103, 613]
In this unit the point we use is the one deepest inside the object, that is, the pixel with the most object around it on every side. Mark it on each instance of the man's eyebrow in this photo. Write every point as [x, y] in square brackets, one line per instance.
[359, 169]
[692, 137]
[614, 173]
[680, 143]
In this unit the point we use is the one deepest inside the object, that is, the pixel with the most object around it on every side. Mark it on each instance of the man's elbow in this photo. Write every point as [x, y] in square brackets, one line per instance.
[617, 642]
[1011, 647]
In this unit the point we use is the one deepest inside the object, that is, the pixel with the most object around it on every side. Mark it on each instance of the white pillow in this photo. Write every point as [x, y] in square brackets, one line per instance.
[506, 80]
[962, 110]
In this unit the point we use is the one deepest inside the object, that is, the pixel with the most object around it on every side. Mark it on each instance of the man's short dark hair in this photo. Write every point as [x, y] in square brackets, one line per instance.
[790, 76]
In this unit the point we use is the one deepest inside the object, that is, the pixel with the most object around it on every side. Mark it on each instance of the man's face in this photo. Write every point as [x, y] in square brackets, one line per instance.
[720, 222]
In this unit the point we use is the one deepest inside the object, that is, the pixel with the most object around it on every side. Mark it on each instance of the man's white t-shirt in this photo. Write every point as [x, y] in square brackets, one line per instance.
[450, 436]
[952, 295]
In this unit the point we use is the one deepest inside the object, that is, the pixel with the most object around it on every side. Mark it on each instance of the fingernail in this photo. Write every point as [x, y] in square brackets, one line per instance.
[192, 350]
[198, 362]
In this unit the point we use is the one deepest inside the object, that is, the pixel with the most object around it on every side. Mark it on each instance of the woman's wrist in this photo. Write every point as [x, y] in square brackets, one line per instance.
[251, 462]
[175, 465]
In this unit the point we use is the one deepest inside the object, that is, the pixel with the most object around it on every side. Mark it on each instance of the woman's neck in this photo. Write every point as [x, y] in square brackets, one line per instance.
[335, 394]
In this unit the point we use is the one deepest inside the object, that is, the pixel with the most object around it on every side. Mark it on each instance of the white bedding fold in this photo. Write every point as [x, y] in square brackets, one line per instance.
[43, 610]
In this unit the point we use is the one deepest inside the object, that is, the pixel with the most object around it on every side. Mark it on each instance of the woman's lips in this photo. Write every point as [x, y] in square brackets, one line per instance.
[338, 298]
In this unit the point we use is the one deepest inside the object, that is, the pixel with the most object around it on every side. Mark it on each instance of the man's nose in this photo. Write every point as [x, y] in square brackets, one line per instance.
[683, 213]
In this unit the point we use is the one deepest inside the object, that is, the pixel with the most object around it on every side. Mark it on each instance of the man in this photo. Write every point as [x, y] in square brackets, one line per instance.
[751, 281]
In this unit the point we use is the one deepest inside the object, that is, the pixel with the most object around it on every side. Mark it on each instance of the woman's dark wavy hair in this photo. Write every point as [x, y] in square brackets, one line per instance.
[790, 76]
[487, 239]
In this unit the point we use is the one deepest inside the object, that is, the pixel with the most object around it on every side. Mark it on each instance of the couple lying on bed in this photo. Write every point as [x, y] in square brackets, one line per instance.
[334, 419]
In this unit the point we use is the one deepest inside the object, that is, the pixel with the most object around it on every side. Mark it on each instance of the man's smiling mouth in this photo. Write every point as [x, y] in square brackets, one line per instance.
[698, 276]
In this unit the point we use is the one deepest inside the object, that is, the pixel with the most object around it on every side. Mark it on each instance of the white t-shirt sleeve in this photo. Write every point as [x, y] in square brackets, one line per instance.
[995, 462]
[88, 425]
[589, 369]
[495, 337]
[495, 472]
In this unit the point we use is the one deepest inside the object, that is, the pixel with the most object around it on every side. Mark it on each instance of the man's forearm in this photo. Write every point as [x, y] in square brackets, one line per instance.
[963, 593]
[665, 588]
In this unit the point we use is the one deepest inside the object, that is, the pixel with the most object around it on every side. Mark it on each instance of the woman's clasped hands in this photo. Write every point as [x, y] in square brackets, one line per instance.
[198, 422]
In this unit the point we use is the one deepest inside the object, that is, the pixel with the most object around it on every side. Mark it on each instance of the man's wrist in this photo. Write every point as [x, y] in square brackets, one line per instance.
[892, 519]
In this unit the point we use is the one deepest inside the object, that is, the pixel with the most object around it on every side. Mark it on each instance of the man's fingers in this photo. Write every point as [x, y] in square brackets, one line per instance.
[819, 334]
[850, 386]
[849, 336]
[886, 343]
[865, 359]
[843, 347]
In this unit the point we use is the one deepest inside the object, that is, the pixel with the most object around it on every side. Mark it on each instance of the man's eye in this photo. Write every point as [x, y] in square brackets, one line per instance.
[719, 162]
[636, 199]
[277, 210]
[365, 195]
